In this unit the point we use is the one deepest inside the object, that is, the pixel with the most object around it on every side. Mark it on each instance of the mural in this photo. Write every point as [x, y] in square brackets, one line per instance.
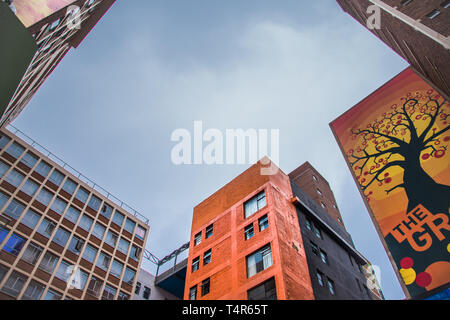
[30, 12]
[396, 143]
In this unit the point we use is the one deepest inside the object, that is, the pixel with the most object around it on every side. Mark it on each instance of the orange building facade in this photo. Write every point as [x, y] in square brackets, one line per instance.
[246, 243]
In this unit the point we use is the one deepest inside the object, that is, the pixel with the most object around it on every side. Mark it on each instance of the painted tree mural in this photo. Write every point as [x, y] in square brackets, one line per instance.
[412, 132]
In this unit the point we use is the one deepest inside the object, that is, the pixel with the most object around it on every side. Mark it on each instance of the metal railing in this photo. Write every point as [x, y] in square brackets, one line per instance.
[93, 185]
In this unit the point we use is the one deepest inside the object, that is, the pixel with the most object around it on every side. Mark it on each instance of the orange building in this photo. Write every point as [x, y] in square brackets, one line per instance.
[246, 243]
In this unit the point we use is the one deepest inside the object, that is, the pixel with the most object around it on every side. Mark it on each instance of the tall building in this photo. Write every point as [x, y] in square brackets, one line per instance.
[61, 235]
[54, 34]
[418, 30]
[146, 288]
[262, 237]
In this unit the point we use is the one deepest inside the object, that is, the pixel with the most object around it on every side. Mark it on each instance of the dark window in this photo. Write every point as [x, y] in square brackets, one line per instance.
[205, 287]
[147, 292]
[314, 248]
[195, 264]
[331, 286]
[433, 14]
[263, 223]
[197, 239]
[308, 224]
[323, 256]
[265, 291]
[207, 257]
[254, 204]
[259, 261]
[320, 276]
[209, 231]
[14, 244]
[14, 284]
[137, 290]
[249, 232]
[317, 232]
[193, 293]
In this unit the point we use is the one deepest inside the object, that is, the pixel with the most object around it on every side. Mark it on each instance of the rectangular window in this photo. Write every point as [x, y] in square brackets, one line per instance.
[209, 231]
[264, 291]
[3, 271]
[263, 223]
[197, 239]
[193, 293]
[103, 261]
[308, 224]
[89, 253]
[82, 194]
[48, 262]
[147, 292]
[95, 285]
[59, 205]
[14, 209]
[3, 233]
[314, 248]
[317, 232]
[14, 178]
[44, 197]
[14, 284]
[79, 279]
[30, 187]
[76, 245]
[64, 271]
[111, 238]
[34, 291]
[15, 150]
[69, 186]
[32, 253]
[195, 264]
[61, 237]
[259, 261]
[14, 244]
[129, 225]
[31, 219]
[106, 210]
[254, 204]
[205, 287]
[99, 230]
[3, 199]
[331, 286]
[137, 290]
[118, 218]
[323, 256]
[3, 168]
[135, 252]
[320, 276]
[249, 232]
[43, 168]
[140, 232]
[116, 268]
[207, 257]
[4, 140]
[94, 203]
[86, 223]
[52, 295]
[123, 245]
[56, 177]
[123, 296]
[109, 293]
[72, 214]
[129, 276]
[46, 228]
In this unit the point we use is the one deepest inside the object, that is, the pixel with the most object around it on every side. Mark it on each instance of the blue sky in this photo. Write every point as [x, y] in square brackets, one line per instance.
[151, 67]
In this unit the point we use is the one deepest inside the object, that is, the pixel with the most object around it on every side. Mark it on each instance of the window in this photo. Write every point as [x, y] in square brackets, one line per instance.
[99, 230]
[111, 238]
[406, 2]
[308, 224]
[137, 290]
[3, 271]
[331, 286]
[30, 187]
[147, 292]
[94, 287]
[15, 150]
[103, 261]
[195, 264]
[52, 295]
[197, 239]
[123, 296]
[193, 293]
[59, 205]
[86, 223]
[140, 232]
[259, 261]
[14, 209]
[89, 253]
[64, 271]
[314, 248]
[34, 291]
[118, 218]
[14, 244]
[69, 186]
[129, 276]
[82, 194]
[205, 287]
[317, 232]
[79, 279]
[445, 4]
[43, 168]
[72, 214]
[209, 231]
[319, 192]
[263, 223]
[265, 291]
[207, 257]
[46, 228]
[3, 234]
[14, 284]
[3, 168]
[106, 210]
[48, 262]
[31, 219]
[109, 293]
[15, 178]
[323, 256]
[32, 253]
[3, 199]
[314, 178]
[254, 204]
[320, 278]
[4, 140]
[44, 197]
[56, 177]
[116, 268]
[129, 225]
[94, 203]
[76, 245]
[123, 245]
[323, 205]
[433, 14]
[249, 232]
